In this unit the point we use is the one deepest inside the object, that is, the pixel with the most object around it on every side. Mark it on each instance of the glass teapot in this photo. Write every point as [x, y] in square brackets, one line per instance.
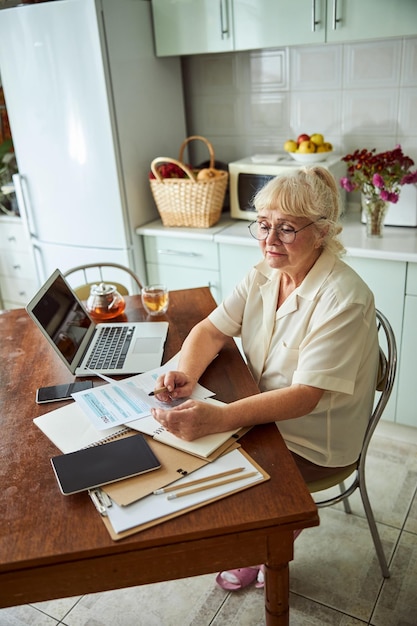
[105, 302]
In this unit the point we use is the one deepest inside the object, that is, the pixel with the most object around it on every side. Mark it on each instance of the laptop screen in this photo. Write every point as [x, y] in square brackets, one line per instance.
[62, 318]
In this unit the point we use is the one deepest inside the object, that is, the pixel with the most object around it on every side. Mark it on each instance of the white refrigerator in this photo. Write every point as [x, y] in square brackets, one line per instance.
[89, 106]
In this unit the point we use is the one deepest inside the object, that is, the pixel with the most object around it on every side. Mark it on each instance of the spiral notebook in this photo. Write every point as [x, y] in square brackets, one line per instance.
[103, 464]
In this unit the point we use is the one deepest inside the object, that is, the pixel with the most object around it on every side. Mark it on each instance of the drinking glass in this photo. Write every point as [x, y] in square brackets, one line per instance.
[155, 299]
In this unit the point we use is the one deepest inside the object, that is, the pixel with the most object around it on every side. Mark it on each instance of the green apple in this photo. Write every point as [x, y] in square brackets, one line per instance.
[290, 145]
[317, 138]
[306, 147]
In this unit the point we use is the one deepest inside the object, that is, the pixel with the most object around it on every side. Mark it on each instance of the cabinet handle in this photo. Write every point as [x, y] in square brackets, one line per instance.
[336, 20]
[224, 21]
[11, 238]
[17, 267]
[178, 253]
[314, 22]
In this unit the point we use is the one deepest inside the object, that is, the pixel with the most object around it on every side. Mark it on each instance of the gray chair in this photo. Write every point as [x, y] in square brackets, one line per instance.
[386, 376]
[92, 273]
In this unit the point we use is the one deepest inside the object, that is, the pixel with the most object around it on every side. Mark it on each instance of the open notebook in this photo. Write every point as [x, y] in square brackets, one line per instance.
[109, 348]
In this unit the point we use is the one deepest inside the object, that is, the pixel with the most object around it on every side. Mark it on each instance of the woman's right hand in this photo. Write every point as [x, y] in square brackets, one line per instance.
[178, 385]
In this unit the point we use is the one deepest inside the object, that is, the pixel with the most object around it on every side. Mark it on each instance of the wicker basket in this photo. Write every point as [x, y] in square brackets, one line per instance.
[188, 201]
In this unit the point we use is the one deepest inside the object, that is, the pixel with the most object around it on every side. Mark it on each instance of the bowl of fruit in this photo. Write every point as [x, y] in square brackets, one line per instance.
[308, 148]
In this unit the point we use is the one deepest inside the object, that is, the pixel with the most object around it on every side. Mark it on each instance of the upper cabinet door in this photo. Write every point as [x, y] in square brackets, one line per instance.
[275, 23]
[192, 26]
[354, 20]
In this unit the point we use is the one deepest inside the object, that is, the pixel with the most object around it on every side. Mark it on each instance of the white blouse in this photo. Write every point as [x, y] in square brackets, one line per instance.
[323, 335]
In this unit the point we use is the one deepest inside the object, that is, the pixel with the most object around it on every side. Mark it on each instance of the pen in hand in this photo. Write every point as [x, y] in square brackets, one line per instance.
[158, 390]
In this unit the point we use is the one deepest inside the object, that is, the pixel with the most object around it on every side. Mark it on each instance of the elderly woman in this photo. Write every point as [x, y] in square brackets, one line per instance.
[308, 330]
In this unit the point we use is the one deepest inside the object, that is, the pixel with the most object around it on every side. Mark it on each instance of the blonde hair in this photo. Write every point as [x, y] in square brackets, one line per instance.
[310, 192]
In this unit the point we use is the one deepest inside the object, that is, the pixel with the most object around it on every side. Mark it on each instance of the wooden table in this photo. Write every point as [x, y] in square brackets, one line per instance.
[52, 546]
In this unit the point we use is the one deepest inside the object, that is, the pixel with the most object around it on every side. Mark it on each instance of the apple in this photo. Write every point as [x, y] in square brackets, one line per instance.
[317, 138]
[290, 145]
[303, 137]
[325, 147]
[306, 147]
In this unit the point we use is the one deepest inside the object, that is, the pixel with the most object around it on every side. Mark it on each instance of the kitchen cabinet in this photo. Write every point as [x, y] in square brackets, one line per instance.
[272, 23]
[192, 26]
[407, 378]
[183, 264]
[202, 26]
[353, 20]
[183, 258]
[18, 281]
[235, 262]
[380, 274]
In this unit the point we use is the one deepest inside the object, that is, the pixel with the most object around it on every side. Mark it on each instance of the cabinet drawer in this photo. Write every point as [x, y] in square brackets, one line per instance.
[16, 264]
[411, 286]
[181, 252]
[187, 278]
[13, 236]
[19, 290]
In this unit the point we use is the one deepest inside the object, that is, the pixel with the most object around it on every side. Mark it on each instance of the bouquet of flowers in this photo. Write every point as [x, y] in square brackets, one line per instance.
[378, 176]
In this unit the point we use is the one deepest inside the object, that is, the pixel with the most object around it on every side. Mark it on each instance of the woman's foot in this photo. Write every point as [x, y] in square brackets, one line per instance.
[235, 579]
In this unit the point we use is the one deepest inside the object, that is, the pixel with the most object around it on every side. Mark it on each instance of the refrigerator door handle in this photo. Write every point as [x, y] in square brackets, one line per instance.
[24, 205]
[38, 261]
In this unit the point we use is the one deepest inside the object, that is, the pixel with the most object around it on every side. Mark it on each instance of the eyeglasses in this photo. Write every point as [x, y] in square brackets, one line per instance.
[286, 234]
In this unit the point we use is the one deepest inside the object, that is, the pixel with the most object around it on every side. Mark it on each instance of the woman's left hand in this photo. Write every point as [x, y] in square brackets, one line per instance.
[192, 419]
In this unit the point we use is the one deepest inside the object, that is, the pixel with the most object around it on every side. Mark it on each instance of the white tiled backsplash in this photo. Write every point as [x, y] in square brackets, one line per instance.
[359, 95]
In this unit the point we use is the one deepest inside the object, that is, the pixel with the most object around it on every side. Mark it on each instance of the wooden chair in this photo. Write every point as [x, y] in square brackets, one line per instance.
[93, 273]
[386, 376]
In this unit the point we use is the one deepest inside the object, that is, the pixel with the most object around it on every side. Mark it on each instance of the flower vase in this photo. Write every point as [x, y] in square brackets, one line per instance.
[375, 211]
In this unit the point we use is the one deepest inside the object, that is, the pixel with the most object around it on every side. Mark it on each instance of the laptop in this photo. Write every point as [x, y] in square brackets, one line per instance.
[83, 345]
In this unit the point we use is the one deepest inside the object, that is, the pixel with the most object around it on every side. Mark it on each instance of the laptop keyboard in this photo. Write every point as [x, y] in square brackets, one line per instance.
[111, 348]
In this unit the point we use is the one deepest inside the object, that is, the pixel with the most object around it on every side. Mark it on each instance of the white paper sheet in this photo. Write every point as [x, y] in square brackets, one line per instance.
[121, 402]
[155, 506]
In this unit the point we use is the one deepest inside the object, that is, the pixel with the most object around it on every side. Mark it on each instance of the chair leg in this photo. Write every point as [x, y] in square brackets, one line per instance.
[345, 501]
[374, 531]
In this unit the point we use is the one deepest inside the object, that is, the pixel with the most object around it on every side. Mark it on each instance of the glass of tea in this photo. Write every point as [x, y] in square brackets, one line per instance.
[155, 299]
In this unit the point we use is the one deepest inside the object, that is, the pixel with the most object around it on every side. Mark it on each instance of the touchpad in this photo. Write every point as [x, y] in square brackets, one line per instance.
[147, 344]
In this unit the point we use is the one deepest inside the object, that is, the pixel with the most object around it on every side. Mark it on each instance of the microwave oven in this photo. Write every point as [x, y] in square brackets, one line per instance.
[248, 175]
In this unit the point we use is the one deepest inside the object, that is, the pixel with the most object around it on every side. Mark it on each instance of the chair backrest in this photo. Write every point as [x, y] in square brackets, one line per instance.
[93, 273]
[386, 374]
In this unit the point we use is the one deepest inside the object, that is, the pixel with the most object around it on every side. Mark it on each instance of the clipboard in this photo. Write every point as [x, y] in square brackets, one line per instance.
[174, 465]
[205, 499]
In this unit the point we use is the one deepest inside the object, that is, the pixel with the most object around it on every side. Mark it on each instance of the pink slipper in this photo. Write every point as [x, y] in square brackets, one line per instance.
[260, 579]
[235, 579]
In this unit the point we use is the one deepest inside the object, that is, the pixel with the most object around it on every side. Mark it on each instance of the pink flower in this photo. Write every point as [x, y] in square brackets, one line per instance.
[409, 178]
[347, 184]
[378, 181]
[384, 195]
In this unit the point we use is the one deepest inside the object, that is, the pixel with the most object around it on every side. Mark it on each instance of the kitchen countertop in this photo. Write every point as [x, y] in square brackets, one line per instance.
[399, 243]
[157, 229]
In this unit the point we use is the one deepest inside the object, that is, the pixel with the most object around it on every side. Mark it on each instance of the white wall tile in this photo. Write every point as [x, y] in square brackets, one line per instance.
[409, 65]
[370, 112]
[252, 101]
[316, 111]
[267, 113]
[407, 113]
[269, 70]
[376, 64]
[316, 67]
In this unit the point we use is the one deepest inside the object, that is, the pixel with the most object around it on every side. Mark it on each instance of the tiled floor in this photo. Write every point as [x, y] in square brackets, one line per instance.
[335, 576]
